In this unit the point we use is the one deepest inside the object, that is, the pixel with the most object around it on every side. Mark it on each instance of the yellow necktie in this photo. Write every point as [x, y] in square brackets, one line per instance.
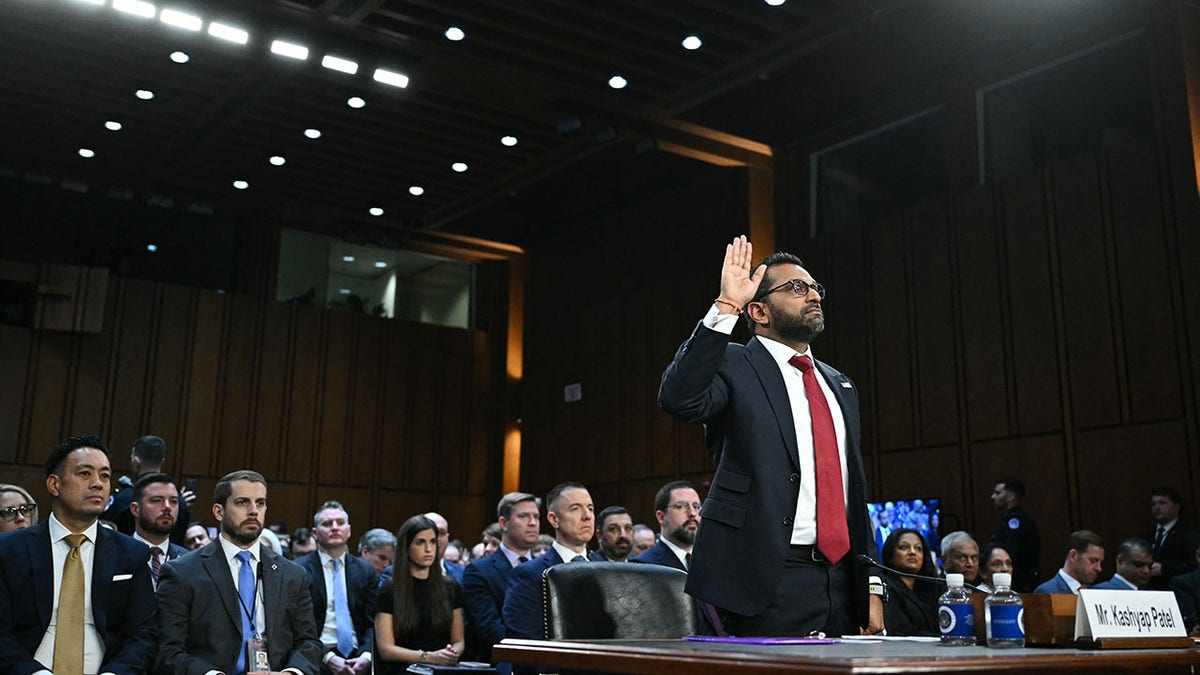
[68, 633]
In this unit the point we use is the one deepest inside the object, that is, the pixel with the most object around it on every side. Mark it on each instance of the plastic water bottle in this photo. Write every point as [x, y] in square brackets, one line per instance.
[1005, 614]
[956, 613]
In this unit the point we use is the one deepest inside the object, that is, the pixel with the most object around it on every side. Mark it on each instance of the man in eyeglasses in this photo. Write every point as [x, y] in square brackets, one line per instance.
[789, 486]
[677, 508]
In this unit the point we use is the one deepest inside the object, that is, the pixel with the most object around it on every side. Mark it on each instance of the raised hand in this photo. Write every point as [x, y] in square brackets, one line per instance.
[738, 283]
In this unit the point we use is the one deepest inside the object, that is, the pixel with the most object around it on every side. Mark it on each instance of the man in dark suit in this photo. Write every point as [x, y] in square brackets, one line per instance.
[215, 600]
[147, 456]
[1133, 567]
[571, 513]
[44, 567]
[786, 517]
[450, 569]
[1187, 592]
[1172, 543]
[1018, 534]
[614, 535]
[155, 507]
[1085, 555]
[347, 636]
[677, 508]
[485, 580]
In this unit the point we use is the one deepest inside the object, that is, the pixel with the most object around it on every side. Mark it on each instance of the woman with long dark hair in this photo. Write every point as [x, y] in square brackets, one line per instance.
[418, 612]
[911, 604]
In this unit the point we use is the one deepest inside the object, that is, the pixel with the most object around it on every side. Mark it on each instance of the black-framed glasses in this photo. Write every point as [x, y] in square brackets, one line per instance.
[799, 286]
[10, 512]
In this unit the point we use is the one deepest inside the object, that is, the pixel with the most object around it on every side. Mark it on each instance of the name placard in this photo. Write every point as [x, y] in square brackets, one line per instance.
[1127, 614]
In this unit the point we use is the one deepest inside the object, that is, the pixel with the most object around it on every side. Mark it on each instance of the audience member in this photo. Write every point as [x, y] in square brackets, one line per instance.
[271, 541]
[155, 507]
[17, 508]
[1172, 543]
[477, 551]
[1134, 559]
[303, 542]
[960, 555]
[995, 558]
[378, 547]
[418, 613]
[147, 456]
[195, 636]
[1187, 592]
[450, 569]
[1017, 534]
[491, 539]
[196, 537]
[614, 535]
[47, 621]
[910, 606]
[677, 508]
[453, 554]
[1085, 555]
[643, 539]
[544, 542]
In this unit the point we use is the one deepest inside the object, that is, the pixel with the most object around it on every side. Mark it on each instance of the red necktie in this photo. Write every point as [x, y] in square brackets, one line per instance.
[833, 537]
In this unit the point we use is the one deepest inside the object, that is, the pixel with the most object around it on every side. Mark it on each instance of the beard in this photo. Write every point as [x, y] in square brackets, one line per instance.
[683, 535]
[152, 525]
[803, 327]
[619, 549]
[235, 531]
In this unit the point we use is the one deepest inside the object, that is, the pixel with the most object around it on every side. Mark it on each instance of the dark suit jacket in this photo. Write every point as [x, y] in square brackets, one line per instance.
[910, 611]
[122, 600]
[1187, 592]
[1054, 584]
[739, 394]
[484, 584]
[200, 622]
[659, 554]
[119, 514]
[523, 613]
[360, 591]
[1177, 555]
[1111, 585]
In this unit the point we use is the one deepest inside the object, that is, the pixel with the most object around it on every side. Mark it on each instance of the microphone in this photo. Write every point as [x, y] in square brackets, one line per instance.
[862, 557]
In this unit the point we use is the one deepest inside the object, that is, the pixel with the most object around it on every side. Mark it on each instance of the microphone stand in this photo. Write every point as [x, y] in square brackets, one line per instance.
[862, 557]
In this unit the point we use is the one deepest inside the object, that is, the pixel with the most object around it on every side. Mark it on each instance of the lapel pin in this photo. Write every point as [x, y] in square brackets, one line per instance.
[274, 567]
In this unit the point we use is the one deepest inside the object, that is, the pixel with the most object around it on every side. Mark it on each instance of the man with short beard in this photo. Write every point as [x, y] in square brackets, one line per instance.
[155, 507]
[218, 599]
[677, 508]
[614, 536]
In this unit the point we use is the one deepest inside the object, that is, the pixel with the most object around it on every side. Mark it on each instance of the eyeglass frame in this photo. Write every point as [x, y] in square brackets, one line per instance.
[798, 285]
[683, 507]
[9, 513]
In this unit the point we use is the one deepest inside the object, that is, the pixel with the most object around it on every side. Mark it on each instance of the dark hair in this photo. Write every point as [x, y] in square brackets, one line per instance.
[663, 496]
[54, 463]
[557, 490]
[1168, 492]
[925, 589]
[608, 512]
[493, 530]
[1013, 485]
[404, 607]
[986, 554]
[1082, 539]
[302, 535]
[1132, 544]
[770, 261]
[331, 504]
[139, 488]
[225, 485]
[151, 450]
[504, 507]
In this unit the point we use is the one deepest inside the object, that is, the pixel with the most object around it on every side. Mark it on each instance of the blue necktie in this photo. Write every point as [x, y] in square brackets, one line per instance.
[247, 592]
[341, 613]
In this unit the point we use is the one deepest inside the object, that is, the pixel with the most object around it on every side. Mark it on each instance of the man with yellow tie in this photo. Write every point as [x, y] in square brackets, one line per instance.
[75, 598]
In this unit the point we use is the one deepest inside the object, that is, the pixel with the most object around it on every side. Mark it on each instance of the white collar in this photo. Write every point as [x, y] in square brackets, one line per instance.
[58, 531]
[567, 554]
[230, 549]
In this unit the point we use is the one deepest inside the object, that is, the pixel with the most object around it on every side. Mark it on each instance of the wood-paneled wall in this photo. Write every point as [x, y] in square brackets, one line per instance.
[390, 418]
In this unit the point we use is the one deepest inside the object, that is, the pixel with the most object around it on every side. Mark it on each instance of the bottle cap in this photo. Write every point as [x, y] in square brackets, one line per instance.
[1001, 579]
[954, 580]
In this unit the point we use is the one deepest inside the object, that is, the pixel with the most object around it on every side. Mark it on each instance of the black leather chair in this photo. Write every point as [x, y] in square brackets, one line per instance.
[605, 600]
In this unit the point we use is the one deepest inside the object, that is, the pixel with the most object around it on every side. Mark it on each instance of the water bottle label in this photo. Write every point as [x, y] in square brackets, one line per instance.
[1008, 622]
[957, 620]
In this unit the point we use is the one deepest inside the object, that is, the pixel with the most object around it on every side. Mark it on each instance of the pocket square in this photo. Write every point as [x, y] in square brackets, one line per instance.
[122, 577]
[847, 385]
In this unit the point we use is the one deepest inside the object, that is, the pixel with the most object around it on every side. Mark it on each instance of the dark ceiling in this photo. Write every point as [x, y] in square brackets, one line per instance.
[526, 68]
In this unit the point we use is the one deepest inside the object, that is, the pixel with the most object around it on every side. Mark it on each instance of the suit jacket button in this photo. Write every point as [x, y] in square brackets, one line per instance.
[787, 521]
[794, 478]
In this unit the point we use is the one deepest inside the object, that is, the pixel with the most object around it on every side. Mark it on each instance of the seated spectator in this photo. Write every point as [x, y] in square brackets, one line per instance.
[477, 551]
[1085, 555]
[196, 537]
[614, 536]
[643, 539]
[1187, 592]
[995, 558]
[960, 555]
[910, 605]
[544, 542]
[1134, 559]
[17, 508]
[491, 538]
[303, 543]
[378, 547]
[453, 554]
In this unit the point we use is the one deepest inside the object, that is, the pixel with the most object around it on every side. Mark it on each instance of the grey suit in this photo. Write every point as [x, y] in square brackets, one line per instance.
[200, 625]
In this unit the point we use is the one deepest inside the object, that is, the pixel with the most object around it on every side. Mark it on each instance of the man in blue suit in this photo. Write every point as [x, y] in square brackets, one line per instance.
[155, 508]
[1134, 561]
[571, 513]
[785, 521]
[486, 580]
[1085, 555]
[44, 565]
[677, 508]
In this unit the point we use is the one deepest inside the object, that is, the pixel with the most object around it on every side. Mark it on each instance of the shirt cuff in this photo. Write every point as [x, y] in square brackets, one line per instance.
[722, 323]
[329, 653]
[366, 655]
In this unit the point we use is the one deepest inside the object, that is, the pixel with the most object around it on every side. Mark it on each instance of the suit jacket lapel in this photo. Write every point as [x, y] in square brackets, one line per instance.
[41, 560]
[317, 574]
[772, 381]
[218, 569]
[272, 591]
[104, 563]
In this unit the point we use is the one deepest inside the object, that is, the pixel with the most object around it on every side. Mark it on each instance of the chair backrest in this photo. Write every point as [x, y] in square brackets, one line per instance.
[606, 600]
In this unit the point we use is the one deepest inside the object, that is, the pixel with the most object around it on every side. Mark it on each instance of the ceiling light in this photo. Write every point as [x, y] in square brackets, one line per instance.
[144, 94]
[392, 78]
[454, 34]
[416, 190]
[174, 17]
[145, 10]
[459, 167]
[344, 291]
[290, 50]
[692, 43]
[229, 33]
[92, 2]
[339, 64]
[152, 247]
[380, 264]
[347, 258]
[276, 160]
[356, 102]
[617, 82]
[774, 3]
[375, 211]
[180, 57]
[240, 184]
[112, 126]
[87, 153]
[312, 133]
[508, 141]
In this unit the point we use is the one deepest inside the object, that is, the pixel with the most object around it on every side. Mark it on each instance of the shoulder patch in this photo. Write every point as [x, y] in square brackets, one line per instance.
[1014, 523]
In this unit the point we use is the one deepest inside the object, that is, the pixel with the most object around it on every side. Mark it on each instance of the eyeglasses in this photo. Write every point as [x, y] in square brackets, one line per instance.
[799, 286]
[684, 506]
[10, 512]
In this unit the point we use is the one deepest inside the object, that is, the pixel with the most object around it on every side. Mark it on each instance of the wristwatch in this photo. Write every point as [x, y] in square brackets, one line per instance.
[423, 655]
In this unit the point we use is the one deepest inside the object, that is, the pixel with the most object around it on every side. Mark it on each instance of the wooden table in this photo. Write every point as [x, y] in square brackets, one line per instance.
[678, 657]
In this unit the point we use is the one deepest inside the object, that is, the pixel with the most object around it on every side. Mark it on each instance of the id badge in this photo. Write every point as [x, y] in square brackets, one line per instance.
[257, 660]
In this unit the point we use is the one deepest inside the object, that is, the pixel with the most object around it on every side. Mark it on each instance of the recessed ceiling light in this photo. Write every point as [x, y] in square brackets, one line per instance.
[380, 264]
[87, 153]
[228, 33]
[240, 184]
[180, 57]
[339, 64]
[145, 10]
[178, 19]
[389, 77]
[290, 50]
[617, 82]
[356, 102]
[692, 43]
[144, 94]
[454, 34]
[276, 160]
[344, 291]
[112, 126]
[312, 133]
[152, 247]
[375, 211]
[92, 2]
[416, 190]
[774, 3]
[347, 258]
[508, 141]
[459, 167]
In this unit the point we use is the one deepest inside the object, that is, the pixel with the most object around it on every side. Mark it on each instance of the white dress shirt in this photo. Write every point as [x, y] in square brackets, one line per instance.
[329, 634]
[93, 646]
[567, 554]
